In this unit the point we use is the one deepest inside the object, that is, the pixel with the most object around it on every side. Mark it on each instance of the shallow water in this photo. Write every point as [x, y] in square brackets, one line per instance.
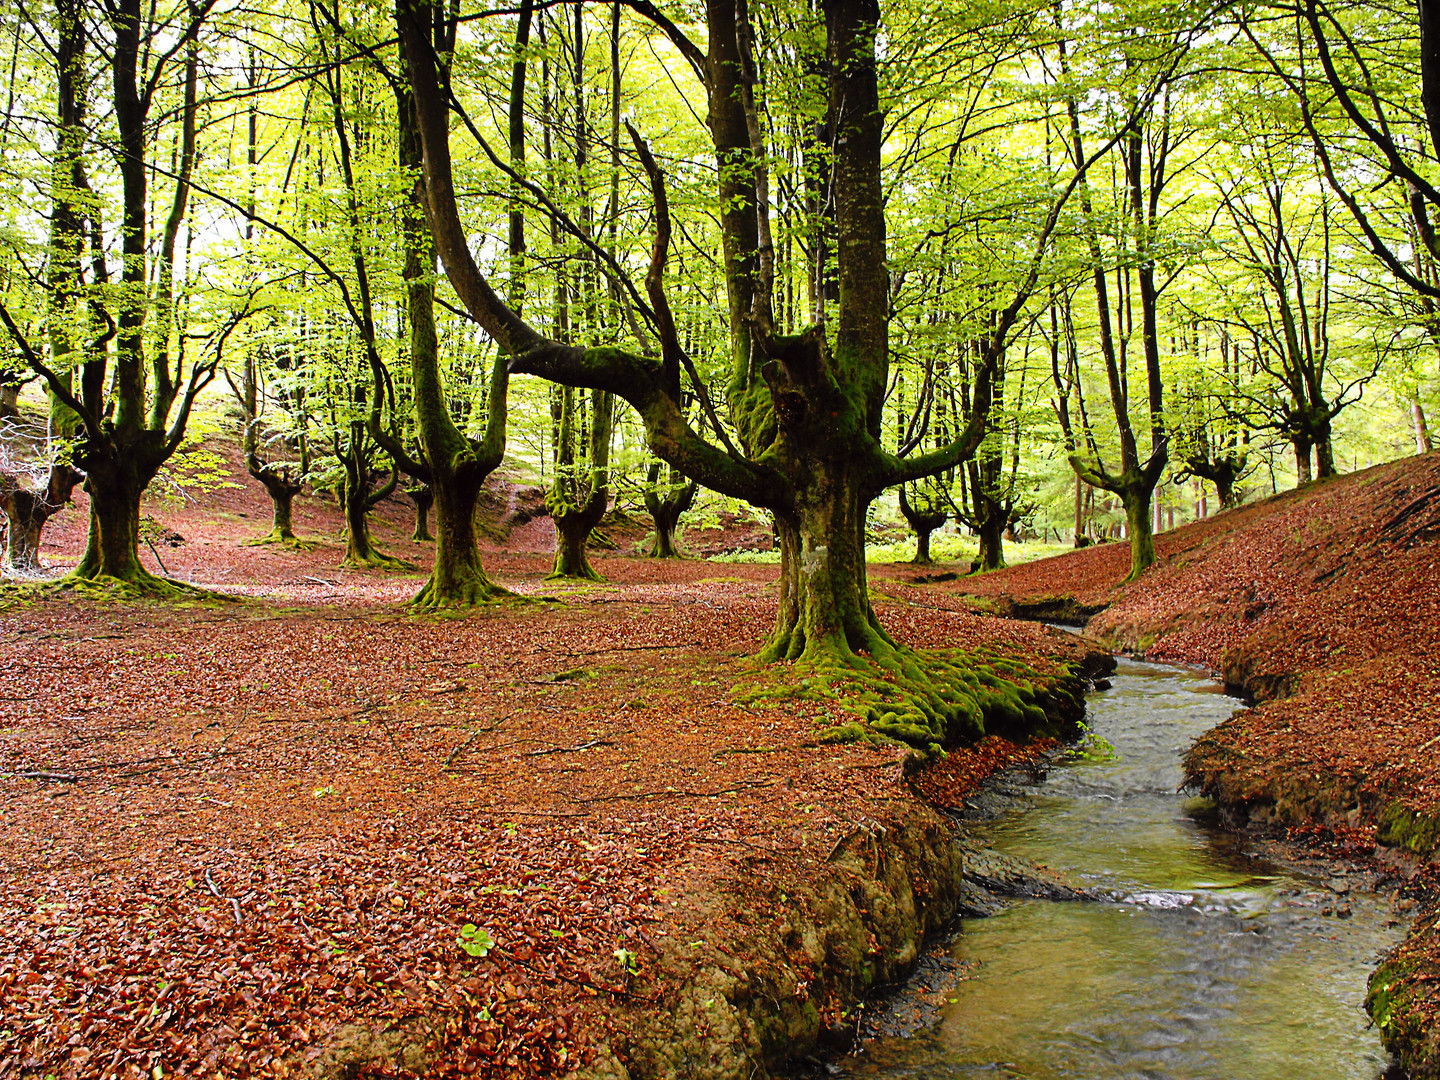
[1206, 964]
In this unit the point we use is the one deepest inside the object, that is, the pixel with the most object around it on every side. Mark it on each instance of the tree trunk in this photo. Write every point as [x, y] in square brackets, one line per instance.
[9, 401]
[113, 546]
[825, 606]
[665, 546]
[1324, 457]
[1302, 447]
[1137, 501]
[922, 521]
[572, 531]
[1224, 483]
[991, 531]
[25, 516]
[458, 579]
[1422, 429]
[282, 520]
[282, 492]
[665, 505]
[922, 548]
[360, 550]
[423, 497]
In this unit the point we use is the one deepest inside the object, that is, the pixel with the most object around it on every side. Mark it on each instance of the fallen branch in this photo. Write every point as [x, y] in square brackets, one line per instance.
[38, 774]
[570, 749]
[454, 754]
[676, 793]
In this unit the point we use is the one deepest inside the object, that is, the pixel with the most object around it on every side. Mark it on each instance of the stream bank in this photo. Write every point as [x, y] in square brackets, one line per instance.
[1195, 958]
[1321, 605]
[815, 942]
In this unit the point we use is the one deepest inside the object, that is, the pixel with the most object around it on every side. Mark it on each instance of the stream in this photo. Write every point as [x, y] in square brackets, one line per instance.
[1202, 963]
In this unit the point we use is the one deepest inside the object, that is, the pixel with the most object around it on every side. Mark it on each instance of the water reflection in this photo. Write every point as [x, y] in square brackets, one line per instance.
[1205, 965]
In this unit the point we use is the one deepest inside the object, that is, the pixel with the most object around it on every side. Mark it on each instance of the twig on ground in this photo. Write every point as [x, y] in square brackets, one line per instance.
[570, 749]
[454, 754]
[677, 793]
[40, 774]
[234, 903]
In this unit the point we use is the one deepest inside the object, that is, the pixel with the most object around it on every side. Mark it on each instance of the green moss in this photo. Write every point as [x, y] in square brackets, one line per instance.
[1401, 827]
[1396, 1000]
[927, 698]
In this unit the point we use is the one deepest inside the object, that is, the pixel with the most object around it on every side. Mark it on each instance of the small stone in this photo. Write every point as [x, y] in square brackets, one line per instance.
[1327, 911]
[1339, 886]
[1405, 903]
[1343, 911]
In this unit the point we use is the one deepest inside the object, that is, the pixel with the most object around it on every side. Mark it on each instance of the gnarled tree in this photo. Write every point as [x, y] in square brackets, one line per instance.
[806, 407]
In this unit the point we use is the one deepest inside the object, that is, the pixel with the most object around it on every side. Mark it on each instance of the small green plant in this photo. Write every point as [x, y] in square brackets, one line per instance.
[627, 960]
[1092, 747]
[475, 940]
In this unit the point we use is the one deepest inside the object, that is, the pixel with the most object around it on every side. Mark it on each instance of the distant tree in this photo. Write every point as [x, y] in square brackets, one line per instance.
[665, 503]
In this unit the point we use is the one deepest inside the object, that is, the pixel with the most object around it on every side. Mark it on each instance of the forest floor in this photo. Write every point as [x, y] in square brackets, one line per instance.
[299, 831]
[1323, 605]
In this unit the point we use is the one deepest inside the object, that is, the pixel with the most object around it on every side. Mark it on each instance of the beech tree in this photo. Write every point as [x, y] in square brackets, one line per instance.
[129, 388]
[806, 407]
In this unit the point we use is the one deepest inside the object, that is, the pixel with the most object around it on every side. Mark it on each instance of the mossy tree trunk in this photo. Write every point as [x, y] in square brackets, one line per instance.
[807, 411]
[991, 534]
[665, 507]
[454, 466]
[580, 494]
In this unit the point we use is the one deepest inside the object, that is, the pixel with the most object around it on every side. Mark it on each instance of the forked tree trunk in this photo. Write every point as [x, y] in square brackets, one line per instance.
[573, 525]
[665, 506]
[922, 522]
[282, 494]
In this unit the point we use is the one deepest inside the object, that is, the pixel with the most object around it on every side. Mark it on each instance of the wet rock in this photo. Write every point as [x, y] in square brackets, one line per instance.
[1007, 876]
[1339, 886]
[1342, 911]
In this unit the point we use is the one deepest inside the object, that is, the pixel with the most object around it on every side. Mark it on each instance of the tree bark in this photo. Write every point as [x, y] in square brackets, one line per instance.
[1422, 429]
[1302, 446]
[991, 532]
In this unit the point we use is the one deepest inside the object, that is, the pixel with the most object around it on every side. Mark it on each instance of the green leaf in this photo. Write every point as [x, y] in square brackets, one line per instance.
[475, 940]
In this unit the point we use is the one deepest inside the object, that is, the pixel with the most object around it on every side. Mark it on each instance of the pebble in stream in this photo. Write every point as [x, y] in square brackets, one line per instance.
[1198, 963]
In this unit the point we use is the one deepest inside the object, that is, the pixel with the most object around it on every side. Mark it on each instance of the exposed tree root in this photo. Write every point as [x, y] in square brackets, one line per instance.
[476, 591]
[141, 585]
[377, 561]
[282, 539]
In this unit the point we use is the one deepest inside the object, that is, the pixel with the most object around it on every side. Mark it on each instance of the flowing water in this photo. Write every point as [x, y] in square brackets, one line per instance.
[1204, 964]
